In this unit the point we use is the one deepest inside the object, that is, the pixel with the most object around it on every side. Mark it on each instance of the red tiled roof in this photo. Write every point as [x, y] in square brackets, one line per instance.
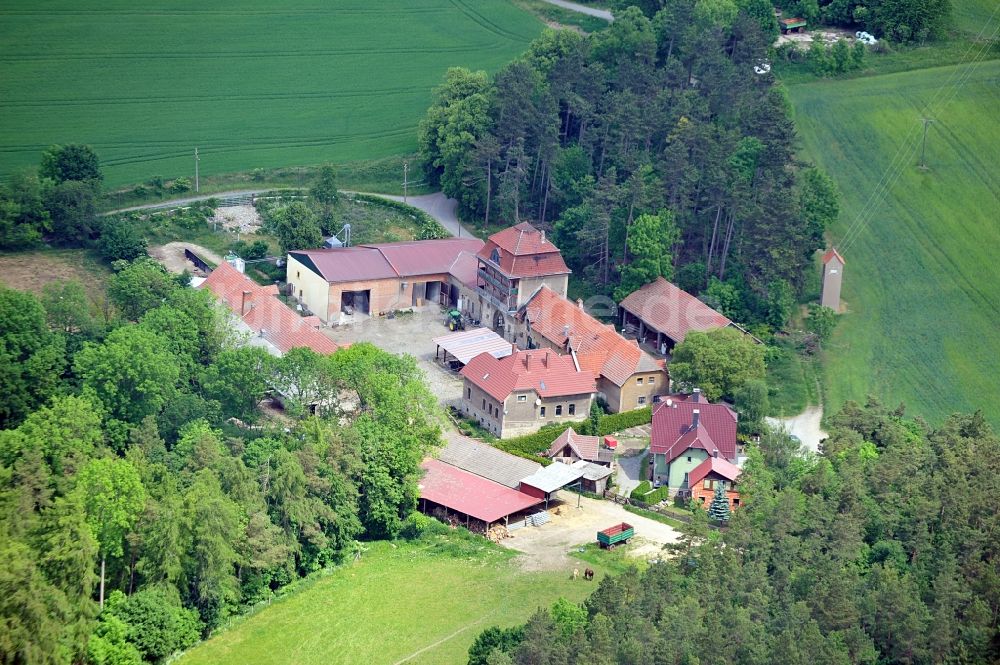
[465, 268]
[524, 251]
[268, 316]
[586, 447]
[671, 310]
[717, 465]
[672, 432]
[599, 348]
[468, 493]
[544, 371]
[833, 253]
[412, 258]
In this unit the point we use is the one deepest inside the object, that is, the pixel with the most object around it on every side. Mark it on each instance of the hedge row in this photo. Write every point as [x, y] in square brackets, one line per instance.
[430, 228]
[530, 445]
[616, 422]
[641, 490]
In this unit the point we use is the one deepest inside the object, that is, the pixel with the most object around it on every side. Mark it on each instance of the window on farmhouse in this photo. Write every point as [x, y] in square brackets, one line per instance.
[689, 459]
[572, 409]
[541, 412]
[522, 398]
[642, 399]
[651, 380]
[468, 393]
[484, 408]
[639, 381]
[558, 409]
[708, 484]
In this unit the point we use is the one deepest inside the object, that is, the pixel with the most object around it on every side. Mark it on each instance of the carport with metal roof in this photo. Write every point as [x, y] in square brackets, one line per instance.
[549, 479]
[464, 345]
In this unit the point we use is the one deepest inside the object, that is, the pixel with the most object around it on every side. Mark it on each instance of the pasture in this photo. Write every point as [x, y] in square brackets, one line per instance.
[424, 601]
[922, 281]
[252, 84]
[32, 270]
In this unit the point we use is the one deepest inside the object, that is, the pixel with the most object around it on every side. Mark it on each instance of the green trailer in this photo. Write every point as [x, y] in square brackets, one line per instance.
[619, 533]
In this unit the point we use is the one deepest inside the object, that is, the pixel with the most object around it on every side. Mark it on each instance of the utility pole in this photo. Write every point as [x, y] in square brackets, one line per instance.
[923, 146]
[406, 170]
[196, 183]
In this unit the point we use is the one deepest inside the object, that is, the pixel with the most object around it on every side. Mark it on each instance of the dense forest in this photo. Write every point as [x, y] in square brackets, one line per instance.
[137, 475]
[659, 146]
[884, 549]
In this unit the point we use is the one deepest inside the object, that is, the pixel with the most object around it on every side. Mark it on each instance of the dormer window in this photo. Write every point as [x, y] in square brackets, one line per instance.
[495, 256]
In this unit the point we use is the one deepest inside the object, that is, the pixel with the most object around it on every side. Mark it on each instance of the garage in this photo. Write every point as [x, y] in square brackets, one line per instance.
[352, 302]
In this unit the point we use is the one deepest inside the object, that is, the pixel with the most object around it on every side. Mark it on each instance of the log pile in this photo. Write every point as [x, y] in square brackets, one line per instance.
[497, 533]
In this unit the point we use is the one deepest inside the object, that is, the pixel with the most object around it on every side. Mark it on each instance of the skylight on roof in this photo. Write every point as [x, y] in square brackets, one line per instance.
[543, 385]
[486, 376]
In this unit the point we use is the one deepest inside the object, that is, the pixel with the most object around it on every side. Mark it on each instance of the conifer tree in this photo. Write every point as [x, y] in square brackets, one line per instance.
[719, 509]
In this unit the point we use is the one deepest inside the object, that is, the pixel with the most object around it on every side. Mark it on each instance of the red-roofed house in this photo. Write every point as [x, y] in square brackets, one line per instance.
[571, 447]
[661, 314]
[703, 480]
[520, 393]
[627, 377]
[512, 265]
[379, 278]
[688, 430]
[268, 321]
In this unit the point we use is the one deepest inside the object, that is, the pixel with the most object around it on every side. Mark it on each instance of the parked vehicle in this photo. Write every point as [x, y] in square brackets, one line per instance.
[619, 533]
[455, 320]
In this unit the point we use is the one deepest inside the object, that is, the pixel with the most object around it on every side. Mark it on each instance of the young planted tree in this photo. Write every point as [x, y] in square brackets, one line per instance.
[113, 498]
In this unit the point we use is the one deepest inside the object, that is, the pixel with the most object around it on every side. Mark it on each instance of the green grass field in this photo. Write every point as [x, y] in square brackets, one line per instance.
[922, 280]
[253, 84]
[427, 599]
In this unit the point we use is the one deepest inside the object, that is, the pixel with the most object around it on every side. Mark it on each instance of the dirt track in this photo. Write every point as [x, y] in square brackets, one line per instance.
[546, 547]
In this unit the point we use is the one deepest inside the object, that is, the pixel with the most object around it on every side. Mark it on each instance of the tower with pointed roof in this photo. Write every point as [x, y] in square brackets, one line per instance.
[833, 275]
[513, 264]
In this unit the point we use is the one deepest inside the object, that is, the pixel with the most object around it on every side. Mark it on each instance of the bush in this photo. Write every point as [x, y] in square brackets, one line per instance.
[180, 185]
[120, 239]
[429, 228]
[639, 492]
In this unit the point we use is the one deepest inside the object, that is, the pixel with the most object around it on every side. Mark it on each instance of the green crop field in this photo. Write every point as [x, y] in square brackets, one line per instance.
[426, 599]
[922, 281]
[252, 84]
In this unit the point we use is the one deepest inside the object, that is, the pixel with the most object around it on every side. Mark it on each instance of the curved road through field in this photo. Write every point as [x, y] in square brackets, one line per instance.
[437, 205]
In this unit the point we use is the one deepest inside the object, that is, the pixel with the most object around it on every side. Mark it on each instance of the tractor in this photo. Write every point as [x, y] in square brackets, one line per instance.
[455, 321]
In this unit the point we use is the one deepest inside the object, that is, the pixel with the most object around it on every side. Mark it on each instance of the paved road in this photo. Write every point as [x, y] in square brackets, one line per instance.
[806, 426]
[437, 205]
[631, 471]
[583, 9]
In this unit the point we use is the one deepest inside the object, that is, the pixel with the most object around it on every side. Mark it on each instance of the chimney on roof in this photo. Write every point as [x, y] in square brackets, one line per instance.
[543, 235]
[247, 303]
[696, 395]
[715, 453]
[545, 358]
[566, 330]
[527, 361]
[579, 303]
[695, 417]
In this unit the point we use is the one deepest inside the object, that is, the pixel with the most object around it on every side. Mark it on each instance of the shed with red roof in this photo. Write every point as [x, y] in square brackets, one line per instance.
[661, 315]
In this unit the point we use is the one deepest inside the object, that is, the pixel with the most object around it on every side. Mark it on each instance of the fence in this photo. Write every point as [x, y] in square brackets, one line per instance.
[627, 501]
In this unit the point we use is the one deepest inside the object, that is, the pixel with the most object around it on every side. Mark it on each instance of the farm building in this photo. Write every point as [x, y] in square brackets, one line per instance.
[686, 431]
[472, 496]
[476, 481]
[458, 348]
[571, 447]
[548, 480]
[661, 315]
[486, 461]
[520, 393]
[595, 476]
[512, 265]
[380, 278]
[268, 322]
[627, 377]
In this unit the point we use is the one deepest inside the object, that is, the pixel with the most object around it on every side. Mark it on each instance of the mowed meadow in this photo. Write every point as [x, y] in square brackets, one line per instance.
[421, 602]
[922, 281]
[252, 84]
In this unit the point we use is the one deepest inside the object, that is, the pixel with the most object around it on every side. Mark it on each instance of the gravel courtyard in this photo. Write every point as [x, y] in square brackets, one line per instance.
[412, 334]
